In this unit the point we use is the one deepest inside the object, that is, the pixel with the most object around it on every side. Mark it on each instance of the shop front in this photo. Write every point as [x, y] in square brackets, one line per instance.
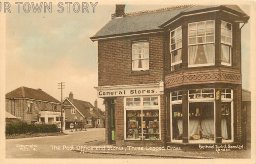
[133, 112]
[202, 116]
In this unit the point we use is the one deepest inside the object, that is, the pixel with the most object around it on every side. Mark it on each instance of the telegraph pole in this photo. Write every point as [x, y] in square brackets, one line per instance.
[61, 87]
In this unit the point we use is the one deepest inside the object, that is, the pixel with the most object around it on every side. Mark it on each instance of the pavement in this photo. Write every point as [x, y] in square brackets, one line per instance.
[91, 144]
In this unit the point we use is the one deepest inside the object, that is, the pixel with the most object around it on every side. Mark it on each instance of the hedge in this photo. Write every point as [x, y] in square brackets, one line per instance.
[23, 128]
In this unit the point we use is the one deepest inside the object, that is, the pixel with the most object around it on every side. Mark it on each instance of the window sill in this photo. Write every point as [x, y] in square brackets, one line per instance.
[138, 73]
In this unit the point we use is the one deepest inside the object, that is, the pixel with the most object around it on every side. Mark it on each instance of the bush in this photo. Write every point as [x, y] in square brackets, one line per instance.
[23, 128]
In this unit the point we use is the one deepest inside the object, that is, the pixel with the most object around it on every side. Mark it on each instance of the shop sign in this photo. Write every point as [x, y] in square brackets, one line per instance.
[128, 92]
[131, 90]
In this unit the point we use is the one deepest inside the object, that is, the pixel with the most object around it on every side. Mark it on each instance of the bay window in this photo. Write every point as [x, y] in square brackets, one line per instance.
[176, 48]
[201, 47]
[142, 118]
[140, 56]
[226, 43]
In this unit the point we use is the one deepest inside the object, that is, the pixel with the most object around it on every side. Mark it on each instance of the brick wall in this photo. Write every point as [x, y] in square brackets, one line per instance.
[115, 61]
[119, 120]
[18, 108]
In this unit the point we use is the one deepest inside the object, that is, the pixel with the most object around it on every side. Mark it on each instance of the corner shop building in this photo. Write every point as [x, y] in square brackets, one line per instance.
[172, 76]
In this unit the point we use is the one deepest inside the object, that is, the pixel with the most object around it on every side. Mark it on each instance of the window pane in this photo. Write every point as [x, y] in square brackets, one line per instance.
[225, 53]
[177, 127]
[226, 121]
[192, 40]
[133, 125]
[192, 26]
[209, 39]
[201, 121]
[192, 33]
[201, 54]
[140, 50]
[150, 125]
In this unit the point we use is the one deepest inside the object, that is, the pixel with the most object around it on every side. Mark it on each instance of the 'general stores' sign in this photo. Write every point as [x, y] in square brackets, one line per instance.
[130, 90]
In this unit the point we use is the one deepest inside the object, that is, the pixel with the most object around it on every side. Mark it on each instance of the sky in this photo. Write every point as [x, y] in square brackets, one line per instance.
[45, 49]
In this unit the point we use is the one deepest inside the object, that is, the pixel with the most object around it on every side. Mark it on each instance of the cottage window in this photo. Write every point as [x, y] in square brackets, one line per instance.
[142, 119]
[176, 48]
[201, 49]
[73, 111]
[140, 56]
[226, 43]
[29, 107]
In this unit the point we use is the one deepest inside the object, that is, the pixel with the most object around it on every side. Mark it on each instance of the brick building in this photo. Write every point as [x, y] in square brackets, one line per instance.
[82, 113]
[33, 105]
[172, 76]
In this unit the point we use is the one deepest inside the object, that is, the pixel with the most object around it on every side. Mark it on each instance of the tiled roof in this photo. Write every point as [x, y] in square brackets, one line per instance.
[82, 106]
[152, 20]
[25, 92]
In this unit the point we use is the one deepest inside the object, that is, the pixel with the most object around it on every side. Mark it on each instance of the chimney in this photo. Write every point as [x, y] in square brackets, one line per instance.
[96, 104]
[71, 96]
[119, 10]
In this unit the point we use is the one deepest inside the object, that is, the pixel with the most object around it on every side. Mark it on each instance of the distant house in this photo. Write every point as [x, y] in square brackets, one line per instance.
[82, 113]
[33, 105]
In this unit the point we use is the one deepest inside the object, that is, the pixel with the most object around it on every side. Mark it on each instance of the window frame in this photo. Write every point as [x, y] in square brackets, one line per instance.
[141, 108]
[73, 111]
[205, 43]
[174, 102]
[134, 59]
[176, 49]
[230, 45]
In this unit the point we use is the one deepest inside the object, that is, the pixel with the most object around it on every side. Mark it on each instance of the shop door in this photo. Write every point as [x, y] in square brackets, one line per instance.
[112, 122]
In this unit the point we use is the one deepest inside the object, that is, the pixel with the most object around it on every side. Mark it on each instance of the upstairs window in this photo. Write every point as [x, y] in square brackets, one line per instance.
[73, 111]
[201, 49]
[140, 56]
[226, 43]
[176, 48]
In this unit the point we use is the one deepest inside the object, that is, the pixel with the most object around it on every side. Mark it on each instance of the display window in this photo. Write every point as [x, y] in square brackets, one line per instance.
[142, 121]
[201, 115]
[176, 116]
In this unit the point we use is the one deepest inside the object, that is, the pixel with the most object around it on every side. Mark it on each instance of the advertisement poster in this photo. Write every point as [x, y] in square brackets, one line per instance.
[127, 81]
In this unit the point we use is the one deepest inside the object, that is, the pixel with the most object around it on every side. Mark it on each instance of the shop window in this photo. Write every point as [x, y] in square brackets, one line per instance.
[226, 94]
[201, 93]
[177, 123]
[201, 121]
[176, 95]
[150, 101]
[140, 56]
[227, 114]
[201, 49]
[134, 101]
[142, 122]
[226, 121]
[176, 48]
[226, 43]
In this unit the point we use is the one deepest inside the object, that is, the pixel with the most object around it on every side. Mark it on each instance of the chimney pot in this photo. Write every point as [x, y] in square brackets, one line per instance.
[71, 96]
[120, 10]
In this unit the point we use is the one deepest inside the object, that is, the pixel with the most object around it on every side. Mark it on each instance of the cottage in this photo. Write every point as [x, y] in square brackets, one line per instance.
[33, 106]
[176, 77]
[81, 113]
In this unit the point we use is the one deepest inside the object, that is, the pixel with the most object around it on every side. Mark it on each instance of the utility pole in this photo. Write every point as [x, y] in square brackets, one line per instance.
[61, 87]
